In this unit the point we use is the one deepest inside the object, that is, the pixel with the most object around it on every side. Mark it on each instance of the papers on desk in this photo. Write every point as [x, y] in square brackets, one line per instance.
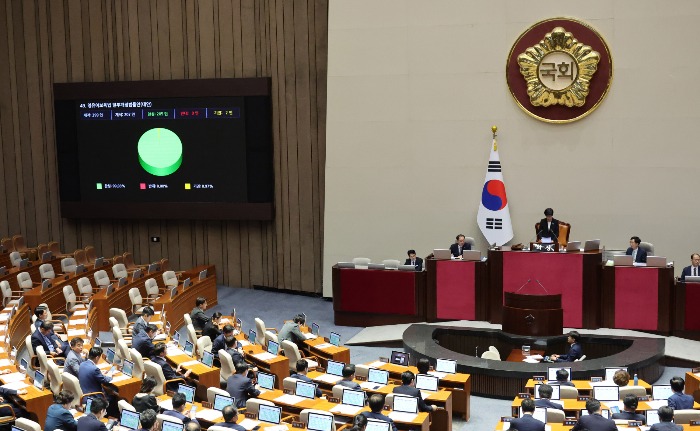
[208, 415]
[531, 360]
[249, 424]
[160, 337]
[12, 377]
[427, 394]
[15, 385]
[104, 365]
[120, 377]
[437, 374]
[346, 409]
[265, 356]
[329, 378]
[80, 313]
[289, 399]
[277, 428]
[76, 332]
[4, 317]
[224, 320]
[156, 322]
[189, 363]
[377, 364]
[323, 346]
[309, 336]
[403, 417]
[5, 362]
[610, 404]
[654, 405]
[538, 357]
[166, 404]
[173, 351]
[371, 386]
[244, 342]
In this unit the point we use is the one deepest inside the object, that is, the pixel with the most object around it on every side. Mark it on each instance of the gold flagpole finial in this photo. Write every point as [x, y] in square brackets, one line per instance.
[494, 129]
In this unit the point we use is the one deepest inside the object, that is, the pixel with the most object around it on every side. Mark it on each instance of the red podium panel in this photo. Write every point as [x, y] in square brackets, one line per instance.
[456, 290]
[686, 321]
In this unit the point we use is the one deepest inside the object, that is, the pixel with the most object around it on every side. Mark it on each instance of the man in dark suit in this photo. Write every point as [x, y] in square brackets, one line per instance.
[694, 268]
[549, 226]
[562, 379]
[407, 388]
[143, 341]
[458, 247]
[638, 254]
[219, 342]
[349, 378]
[679, 400]
[142, 322]
[414, 260]
[630, 413]
[168, 372]
[593, 421]
[575, 350]
[199, 319]
[665, 418]
[45, 337]
[42, 315]
[240, 386]
[376, 403]
[230, 415]
[302, 369]
[527, 422]
[89, 376]
[148, 419]
[93, 420]
[545, 392]
[179, 402]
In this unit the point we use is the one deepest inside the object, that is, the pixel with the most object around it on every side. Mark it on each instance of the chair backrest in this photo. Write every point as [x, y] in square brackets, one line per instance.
[124, 405]
[304, 416]
[362, 370]
[84, 286]
[80, 257]
[120, 316]
[90, 254]
[43, 359]
[123, 350]
[684, 416]
[568, 392]
[490, 355]
[55, 379]
[7, 244]
[289, 383]
[41, 249]
[260, 328]
[15, 258]
[119, 271]
[27, 424]
[28, 345]
[24, 280]
[469, 240]
[6, 291]
[188, 319]
[116, 334]
[391, 264]
[154, 370]
[135, 297]
[555, 416]
[212, 392]
[151, 286]
[101, 278]
[137, 359]
[117, 259]
[494, 350]
[170, 278]
[191, 334]
[337, 391]
[55, 248]
[291, 351]
[18, 243]
[46, 271]
[269, 335]
[227, 368]
[361, 262]
[564, 232]
[71, 383]
[638, 391]
[164, 264]
[129, 260]
[252, 405]
[69, 294]
[647, 246]
[203, 343]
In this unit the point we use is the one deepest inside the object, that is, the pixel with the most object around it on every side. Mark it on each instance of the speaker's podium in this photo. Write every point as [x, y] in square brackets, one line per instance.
[534, 315]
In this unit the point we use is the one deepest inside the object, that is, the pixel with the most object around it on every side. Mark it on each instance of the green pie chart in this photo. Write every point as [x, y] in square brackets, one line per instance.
[160, 151]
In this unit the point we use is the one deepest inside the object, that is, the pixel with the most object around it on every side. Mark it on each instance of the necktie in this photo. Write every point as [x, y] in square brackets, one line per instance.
[695, 270]
[413, 262]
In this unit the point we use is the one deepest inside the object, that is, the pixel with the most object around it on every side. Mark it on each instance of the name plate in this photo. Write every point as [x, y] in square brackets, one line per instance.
[296, 424]
[287, 391]
[538, 378]
[634, 423]
[583, 398]
[643, 398]
[334, 400]
[251, 416]
[695, 370]
[524, 396]
[551, 247]
[361, 378]
[569, 422]
[694, 423]
[506, 418]
[596, 379]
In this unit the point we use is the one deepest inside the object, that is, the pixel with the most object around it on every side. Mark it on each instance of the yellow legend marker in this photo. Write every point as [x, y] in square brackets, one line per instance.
[188, 186]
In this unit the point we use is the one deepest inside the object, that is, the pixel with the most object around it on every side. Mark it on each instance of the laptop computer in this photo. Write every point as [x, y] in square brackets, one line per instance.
[97, 342]
[603, 412]
[555, 392]
[661, 392]
[319, 422]
[591, 245]
[128, 368]
[305, 389]
[377, 425]
[353, 397]
[376, 375]
[405, 404]
[269, 414]
[334, 339]
[136, 275]
[426, 382]
[448, 366]
[552, 373]
[692, 279]
[251, 336]
[400, 358]
[315, 329]
[221, 401]
[656, 261]
[189, 348]
[172, 426]
[652, 417]
[407, 268]
[173, 292]
[38, 380]
[207, 358]
[109, 356]
[573, 246]
[273, 347]
[335, 368]
[187, 390]
[606, 393]
[129, 420]
[266, 381]
[442, 254]
[471, 255]
[622, 260]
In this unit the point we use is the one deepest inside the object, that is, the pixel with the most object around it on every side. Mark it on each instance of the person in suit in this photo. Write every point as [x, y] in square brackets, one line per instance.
[199, 319]
[630, 412]
[407, 388]
[143, 341]
[230, 415]
[291, 331]
[58, 416]
[545, 392]
[376, 403]
[575, 350]
[562, 379]
[74, 357]
[359, 423]
[89, 376]
[593, 421]
[240, 386]
[211, 328]
[179, 403]
[621, 378]
[7, 397]
[302, 367]
[168, 372]
[45, 337]
[423, 365]
[527, 422]
[231, 349]
[458, 247]
[192, 426]
[93, 420]
[414, 260]
[142, 321]
[42, 315]
[665, 418]
[349, 377]
[679, 400]
[219, 342]
[549, 226]
[693, 269]
[149, 420]
[638, 254]
[145, 399]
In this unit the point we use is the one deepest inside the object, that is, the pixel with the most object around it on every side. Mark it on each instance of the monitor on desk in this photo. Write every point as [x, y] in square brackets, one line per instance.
[400, 358]
[23, 364]
[251, 336]
[80, 269]
[335, 367]
[471, 255]
[39, 380]
[610, 372]
[152, 268]
[552, 373]
[221, 401]
[273, 347]
[173, 292]
[555, 392]
[376, 375]
[24, 263]
[305, 389]
[377, 425]
[352, 397]
[46, 256]
[189, 348]
[123, 281]
[448, 366]
[137, 274]
[99, 262]
[540, 414]
[606, 393]
[176, 338]
[426, 382]
[442, 254]
[203, 274]
[109, 356]
[110, 289]
[172, 426]
[661, 392]
[405, 404]
[334, 339]
[266, 381]
[45, 285]
[187, 390]
[652, 417]
[186, 283]
[603, 412]
[622, 260]
[315, 329]
[319, 422]
[98, 342]
[3, 270]
[656, 261]
[207, 358]
[688, 279]
[129, 420]
[128, 368]
[269, 414]
[591, 245]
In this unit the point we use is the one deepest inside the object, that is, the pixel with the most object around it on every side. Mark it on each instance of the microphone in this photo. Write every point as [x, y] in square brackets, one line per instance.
[545, 289]
[524, 284]
[536, 236]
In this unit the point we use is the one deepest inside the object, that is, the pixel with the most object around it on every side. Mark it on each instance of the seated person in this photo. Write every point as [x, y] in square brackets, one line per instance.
[143, 341]
[679, 400]
[291, 331]
[423, 366]
[621, 378]
[639, 255]
[414, 260]
[630, 412]
[665, 421]
[168, 372]
[192, 426]
[92, 421]
[575, 351]
[458, 247]
[407, 388]
[359, 423]
[694, 269]
[594, 420]
[90, 377]
[230, 415]
[562, 379]
[219, 342]
[59, 416]
[549, 227]
[240, 385]
[211, 328]
[527, 422]
[376, 404]
[199, 319]
[143, 320]
[145, 399]
[74, 357]
[303, 368]
[545, 400]
[46, 338]
[179, 403]
[231, 344]
[349, 377]
[149, 420]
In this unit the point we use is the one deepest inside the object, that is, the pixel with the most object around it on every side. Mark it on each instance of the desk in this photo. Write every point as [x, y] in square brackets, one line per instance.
[207, 377]
[53, 296]
[289, 408]
[574, 275]
[692, 384]
[340, 353]
[33, 271]
[279, 365]
[573, 407]
[184, 302]
[584, 386]
[420, 422]
[516, 355]
[457, 290]
[366, 297]
[35, 401]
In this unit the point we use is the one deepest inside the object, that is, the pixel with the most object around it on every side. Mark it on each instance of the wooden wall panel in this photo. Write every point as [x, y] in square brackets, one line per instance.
[47, 41]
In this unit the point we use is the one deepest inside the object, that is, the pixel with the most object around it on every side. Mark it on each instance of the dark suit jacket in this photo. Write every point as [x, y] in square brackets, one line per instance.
[306, 379]
[91, 378]
[199, 319]
[350, 384]
[543, 402]
[552, 232]
[211, 330]
[665, 426]
[641, 254]
[419, 263]
[139, 326]
[38, 340]
[58, 417]
[143, 344]
[414, 392]
[241, 388]
[90, 422]
[231, 425]
[594, 422]
[565, 383]
[454, 249]
[180, 416]
[217, 344]
[145, 402]
[168, 372]
[679, 401]
[630, 416]
[687, 272]
[380, 417]
[575, 352]
[527, 423]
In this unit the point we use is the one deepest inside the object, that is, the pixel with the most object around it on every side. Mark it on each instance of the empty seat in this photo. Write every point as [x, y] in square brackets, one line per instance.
[24, 280]
[15, 259]
[85, 287]
[90, 254]
[490, 355]
[68, 264]
[80, 258]
[46, 271]
[137, 304]
[101, 278]
[391, 264]
[72, 303]
[119, 271]
[152, 290]
[8, 298]
[170, 279]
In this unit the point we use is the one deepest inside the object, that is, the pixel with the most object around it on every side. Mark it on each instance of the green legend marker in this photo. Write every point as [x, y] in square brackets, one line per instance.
[160, 152]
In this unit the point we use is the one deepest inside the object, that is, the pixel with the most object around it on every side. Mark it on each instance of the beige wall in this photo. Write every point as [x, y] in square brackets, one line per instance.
[414, 87]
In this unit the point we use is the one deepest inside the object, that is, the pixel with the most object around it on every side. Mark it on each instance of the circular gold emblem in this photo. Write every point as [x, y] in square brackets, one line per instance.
[559, 70]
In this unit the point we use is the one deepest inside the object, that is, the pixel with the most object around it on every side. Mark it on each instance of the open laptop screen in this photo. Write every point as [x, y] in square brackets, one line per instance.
[353, 398]
[375, 375]
[273, 347]
[446, 366]
[38, 380]
[208, 358]
[251, 336]
[270, 414]
[426, 382]
[606, 393]
[172, 426]
[400, 358]
[129, 419]
[376, 425]
[652, 417]
[189, 347]
[319, 422]
[610, 372]
[128, 368]
[661, 392]
[305, 389]
[405, 404]
[335, 368]
[266, 381]
[109, 357]
[188, 391]
[315, 329]
[221, 401]
[334, 339]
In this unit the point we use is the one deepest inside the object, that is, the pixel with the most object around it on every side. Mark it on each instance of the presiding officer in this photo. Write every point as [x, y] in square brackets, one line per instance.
[549, 226]
[694, 268]
[639, 255]
[458, 247]
[414, 260]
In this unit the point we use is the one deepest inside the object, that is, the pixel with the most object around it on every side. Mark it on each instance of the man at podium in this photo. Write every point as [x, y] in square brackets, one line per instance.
[549, 227]
[694, 268]
[575, 350]
[457, 248]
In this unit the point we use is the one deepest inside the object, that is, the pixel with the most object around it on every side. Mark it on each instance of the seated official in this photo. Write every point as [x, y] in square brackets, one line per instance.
[7, 397]
[42, 314]
[458, 247]
[549, 227]
[58, 416]
[414, 260]
[291, 331]
[527, 422]
[545, 392]
[230, 415]
[679, 400]
[232, 349]
[179, 402]
[158, 357]
[92, 421]
[74, 357]
[143, 320]
[45, 337]
[192, 426]
[359, 423]
[349, 377]
[694, 269]
[423, 365]
[143, 341]
[240, 386]
[575, 350]
[621, 378]
[89, 376]
[199, 319]
[211, 328]
[407, 388]
[665, 421]
[562, 379]
[630, 410]
[639, 255]
[376, 404]
[145, 399]
[594, 421]
[149, 420]
[219, 342]
[302, 367]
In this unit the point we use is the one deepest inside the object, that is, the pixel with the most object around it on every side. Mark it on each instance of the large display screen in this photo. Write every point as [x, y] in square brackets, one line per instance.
[188, 149]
